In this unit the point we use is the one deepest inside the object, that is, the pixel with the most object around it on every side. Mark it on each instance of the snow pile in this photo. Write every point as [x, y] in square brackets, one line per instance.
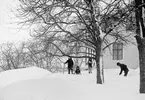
[41, 89]
[11, 76]
[75, 87]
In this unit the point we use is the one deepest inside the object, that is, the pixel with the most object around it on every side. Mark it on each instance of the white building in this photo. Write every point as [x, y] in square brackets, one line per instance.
[119, 52]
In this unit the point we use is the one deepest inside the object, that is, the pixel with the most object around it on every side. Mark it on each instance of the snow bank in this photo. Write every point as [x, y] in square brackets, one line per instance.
[11, 76]
[42, 89]
[75, 87]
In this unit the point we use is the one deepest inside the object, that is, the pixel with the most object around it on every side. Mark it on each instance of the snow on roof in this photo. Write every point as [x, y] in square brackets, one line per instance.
[10, 76]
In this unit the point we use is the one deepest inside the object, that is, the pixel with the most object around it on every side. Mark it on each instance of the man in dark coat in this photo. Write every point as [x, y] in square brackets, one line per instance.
[124, 68]
[70, 65]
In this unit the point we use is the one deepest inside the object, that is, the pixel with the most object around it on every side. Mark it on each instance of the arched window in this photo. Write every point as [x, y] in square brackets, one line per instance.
[117, 51]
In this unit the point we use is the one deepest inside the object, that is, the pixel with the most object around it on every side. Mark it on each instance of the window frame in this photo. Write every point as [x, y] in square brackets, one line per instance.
[117, 51]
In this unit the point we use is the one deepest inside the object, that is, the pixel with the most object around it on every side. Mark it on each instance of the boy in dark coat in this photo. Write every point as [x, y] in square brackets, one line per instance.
[70, 65]
[77, 71]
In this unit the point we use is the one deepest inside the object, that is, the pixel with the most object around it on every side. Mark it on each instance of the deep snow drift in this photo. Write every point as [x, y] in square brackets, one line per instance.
[38, 84]
[11, 76]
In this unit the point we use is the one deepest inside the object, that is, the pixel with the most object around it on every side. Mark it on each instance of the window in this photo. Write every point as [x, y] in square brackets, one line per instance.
[117, 51]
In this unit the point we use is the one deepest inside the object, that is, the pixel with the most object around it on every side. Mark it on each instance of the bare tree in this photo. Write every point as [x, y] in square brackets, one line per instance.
[13, 56]
[140, 37]
[10, 57]
[38, 55]
[28, 54]
[71, 26]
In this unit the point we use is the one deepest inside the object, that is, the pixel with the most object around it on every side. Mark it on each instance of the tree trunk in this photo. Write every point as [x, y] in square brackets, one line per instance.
[140, 38]
[98, 65]
[102, 65]
[141, 49]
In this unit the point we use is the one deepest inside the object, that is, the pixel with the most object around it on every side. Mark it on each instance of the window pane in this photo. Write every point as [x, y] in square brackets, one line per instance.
[114, 54]
[114, 57]
[115, 46]
[120, 46]
[120, 54]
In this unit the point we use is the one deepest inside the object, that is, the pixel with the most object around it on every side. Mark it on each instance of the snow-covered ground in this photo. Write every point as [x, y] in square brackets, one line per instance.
[38, 84]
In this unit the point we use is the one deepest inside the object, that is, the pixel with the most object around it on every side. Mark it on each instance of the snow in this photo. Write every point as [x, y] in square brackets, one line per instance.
[39, 84]
[11, 76]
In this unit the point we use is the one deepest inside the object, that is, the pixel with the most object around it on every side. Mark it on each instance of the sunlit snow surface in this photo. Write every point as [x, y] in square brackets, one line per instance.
[38, 84]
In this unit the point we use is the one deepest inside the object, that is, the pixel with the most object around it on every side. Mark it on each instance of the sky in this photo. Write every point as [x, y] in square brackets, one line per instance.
[40, 84]
[9, 30]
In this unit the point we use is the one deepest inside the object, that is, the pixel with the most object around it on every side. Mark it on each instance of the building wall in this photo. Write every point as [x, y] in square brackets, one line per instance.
[130, 57]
